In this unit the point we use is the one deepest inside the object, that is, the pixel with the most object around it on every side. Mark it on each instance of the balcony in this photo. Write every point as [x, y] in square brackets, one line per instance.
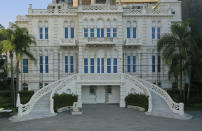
[132, 42]
[100, 41]
[68, 42]
[100, 8]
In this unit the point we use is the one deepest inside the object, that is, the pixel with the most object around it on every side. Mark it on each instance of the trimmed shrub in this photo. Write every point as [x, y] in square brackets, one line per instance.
[137, 100]
[175, 95]
[5, 93]
[64, 100]
[25, 96]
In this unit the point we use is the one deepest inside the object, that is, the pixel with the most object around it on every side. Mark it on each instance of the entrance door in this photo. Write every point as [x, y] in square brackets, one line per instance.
[100, 94]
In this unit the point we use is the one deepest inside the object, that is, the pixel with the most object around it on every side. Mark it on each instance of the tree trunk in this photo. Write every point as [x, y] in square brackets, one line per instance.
[12, 82]
[17, 77]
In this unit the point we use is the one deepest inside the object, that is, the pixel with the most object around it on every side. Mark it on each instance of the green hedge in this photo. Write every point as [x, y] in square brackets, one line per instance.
[5, 93]
[64, 100]
[137, 100]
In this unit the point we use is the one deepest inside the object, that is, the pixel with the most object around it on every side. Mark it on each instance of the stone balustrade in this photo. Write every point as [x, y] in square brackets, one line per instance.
[132, 42]
[21, 18]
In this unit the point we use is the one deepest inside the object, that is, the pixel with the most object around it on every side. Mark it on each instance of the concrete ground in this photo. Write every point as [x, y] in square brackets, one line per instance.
[102, 117]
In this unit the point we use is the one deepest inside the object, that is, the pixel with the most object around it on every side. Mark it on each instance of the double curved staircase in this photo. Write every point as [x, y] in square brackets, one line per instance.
[41, 103]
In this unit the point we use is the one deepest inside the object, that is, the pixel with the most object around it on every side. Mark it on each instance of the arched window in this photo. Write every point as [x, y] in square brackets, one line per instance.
[134, 29]
[114, 28]
[128, 29]
[108, 25]
[100, 28]
[25, 87]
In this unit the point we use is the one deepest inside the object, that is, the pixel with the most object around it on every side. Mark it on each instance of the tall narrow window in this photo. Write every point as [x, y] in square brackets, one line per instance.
[134, 32]
[85, 30]
[98, 32]
[153, 63]
[108, 32]
[66, 64]
[41, 64]
[72, 32]
[66, 32]
[134, 63]
[98, 65]
[92, 32]
[25, 66]
[115, 65]
[128, 63]
[46, 33]
[128, 32]
[46, 64]
[41, 33]
[159, 63]
[108, 65]
[153, 32]
[102, 65]
[91, 65]
[72, 64]
[85, 65]
[114, 32]
[159, 32]
[102, 32]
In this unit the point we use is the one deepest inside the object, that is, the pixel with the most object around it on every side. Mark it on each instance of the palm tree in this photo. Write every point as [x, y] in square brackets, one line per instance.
[22, 42]
[7, 47]
[175, 48]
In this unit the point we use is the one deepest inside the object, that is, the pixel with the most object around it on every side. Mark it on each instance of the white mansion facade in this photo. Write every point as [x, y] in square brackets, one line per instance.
[101, 50]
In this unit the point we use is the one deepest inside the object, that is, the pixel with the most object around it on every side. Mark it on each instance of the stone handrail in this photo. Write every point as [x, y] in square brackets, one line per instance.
[141, 86]
[59, 87]
[175, 107]
[24, 109]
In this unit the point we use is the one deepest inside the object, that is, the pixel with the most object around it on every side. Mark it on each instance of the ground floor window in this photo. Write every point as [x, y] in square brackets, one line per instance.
[25, 87]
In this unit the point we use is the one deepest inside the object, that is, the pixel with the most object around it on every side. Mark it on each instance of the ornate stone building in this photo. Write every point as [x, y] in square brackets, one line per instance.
[101, 50]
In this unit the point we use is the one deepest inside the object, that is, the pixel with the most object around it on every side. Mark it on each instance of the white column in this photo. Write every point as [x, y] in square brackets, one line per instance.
[120, 59]
[122, 94]
[79, 93]
[80, 59]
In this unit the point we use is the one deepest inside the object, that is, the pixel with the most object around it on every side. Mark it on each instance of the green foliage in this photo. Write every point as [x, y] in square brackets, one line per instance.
[64, 100]
[25, 96]
[175, 95]
[137, 100]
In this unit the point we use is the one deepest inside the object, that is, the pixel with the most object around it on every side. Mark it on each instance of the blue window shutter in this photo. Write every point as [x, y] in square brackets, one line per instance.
[108, 65]
[153, 63]
[102, 32]
[159, 63]
[46, 64]
[128, 63]
[46, 33]
[102, 64]
[85, 32]
[91, 65]
[134, 63]
[72, 32]
[25, 66]
[72, 64]
[115, 65]
[85, 65]
[153, 32]
[114, 32]
[134, 32]
[128, 32]
[66, 64]
[98, 32]
[98, 65]
[108, 32]
[92, 32]
[66, 32]
[159, 32]
[41, 64]
[41, 32]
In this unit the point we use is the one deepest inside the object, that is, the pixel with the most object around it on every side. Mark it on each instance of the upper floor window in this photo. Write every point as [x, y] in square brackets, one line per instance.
[25, 66]
[46, 64]
[108, 65]
[98, 65]
[159, 63]
[72, 32]
[134, 30]
[108, 32]
[85, 65]
[158, 32]
[85, 30]
[100, 32]
[153, 63]
[66, 32]
[153, 32]
[100, 1]
[102, 65]
[46, 33]
[128, 63]
[72, 64]
[41, 64]
[114, 32]
[128, 32]
[115, 65]
[92, 32]
[134, 63]
[66, 64]
[91, 65]
[41, 33]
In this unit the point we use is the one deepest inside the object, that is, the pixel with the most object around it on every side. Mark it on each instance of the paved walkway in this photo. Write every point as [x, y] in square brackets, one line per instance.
[105, 118]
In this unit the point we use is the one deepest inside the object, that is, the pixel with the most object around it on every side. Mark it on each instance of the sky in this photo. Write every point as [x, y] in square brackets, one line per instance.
[9, 9]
